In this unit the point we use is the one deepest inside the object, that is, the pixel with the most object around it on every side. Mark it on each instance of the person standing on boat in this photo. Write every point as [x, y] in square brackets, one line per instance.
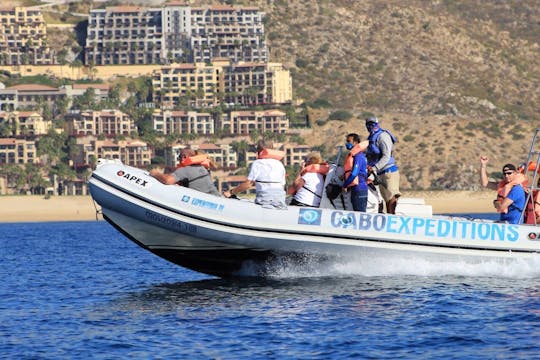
[510, 200]
[356, 172]
[309, 184]
[192, 172]
[382, 163]
[267, 174]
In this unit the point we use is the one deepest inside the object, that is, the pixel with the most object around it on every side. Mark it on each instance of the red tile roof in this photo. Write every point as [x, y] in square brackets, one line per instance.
[125, 8]
[136, 143]
[27, 113]
[178, 113]
[32, 87]
[209, 147]
[93, 86]
[7, 141]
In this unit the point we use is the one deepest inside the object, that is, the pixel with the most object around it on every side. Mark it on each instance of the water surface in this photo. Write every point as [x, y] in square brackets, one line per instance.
[80, 290]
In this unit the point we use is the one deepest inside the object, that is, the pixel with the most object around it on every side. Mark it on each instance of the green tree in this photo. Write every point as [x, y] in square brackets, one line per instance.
[5, 130]
[46, 111]
[60, 107]
[342, 115]
[76, 64]
[62, 60]
[53, 146]
[15, 176]
[254, 135]
[35, 180]
[86, 101]
[63, 172]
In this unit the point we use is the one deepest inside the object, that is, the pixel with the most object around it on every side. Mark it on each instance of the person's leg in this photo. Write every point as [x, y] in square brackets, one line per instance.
[359, 200]
[363, 200]
[390, 190]
[391, 205]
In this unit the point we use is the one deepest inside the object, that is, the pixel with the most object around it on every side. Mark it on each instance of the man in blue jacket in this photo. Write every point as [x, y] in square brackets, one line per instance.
[381, 162]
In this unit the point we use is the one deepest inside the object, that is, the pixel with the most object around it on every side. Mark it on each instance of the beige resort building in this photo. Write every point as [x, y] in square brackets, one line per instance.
[23, 37]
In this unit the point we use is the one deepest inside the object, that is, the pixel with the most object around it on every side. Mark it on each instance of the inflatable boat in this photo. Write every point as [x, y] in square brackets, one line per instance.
[222, 237]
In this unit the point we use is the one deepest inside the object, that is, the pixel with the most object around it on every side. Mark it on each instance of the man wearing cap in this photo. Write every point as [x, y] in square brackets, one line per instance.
[380, 161]
[511, 196]
[193, 176]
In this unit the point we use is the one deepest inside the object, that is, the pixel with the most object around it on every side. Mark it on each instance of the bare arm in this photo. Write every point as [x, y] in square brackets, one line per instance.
[240, 188]
[505, 204]
[166, 179]
[298, 183]
[484, 181]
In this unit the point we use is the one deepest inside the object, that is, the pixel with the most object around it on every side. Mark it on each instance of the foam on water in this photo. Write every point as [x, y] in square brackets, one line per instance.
[396, 265]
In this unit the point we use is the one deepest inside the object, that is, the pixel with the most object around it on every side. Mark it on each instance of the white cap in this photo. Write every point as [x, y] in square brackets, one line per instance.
[372, 119]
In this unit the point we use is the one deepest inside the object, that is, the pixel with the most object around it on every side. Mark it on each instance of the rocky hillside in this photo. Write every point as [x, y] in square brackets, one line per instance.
[452, 79]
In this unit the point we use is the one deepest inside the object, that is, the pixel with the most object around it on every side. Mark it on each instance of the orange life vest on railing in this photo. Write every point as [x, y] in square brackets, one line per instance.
[532, 167]
[349, 162]
[201, 159]
[322, 169]
[532, 209]
[271, 154]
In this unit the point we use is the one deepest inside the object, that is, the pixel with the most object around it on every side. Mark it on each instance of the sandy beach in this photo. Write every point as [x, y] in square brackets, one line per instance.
[81, 208]
[38, 209]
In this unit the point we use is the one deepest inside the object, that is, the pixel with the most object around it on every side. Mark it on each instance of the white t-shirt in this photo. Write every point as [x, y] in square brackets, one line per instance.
[313, 184]
[267, 174]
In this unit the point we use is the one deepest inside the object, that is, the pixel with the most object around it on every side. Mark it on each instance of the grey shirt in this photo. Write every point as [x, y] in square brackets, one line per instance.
[385, 144]
[198, 178]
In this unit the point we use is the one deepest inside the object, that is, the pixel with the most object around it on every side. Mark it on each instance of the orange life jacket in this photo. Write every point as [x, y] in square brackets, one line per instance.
[532, 167]
[504, 187]
[349, 162]
[532, 209]
[271, 154]
[322, 169]
[196, 160]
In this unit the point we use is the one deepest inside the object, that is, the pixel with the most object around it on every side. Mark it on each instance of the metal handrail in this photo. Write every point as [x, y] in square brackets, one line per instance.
[534, 185]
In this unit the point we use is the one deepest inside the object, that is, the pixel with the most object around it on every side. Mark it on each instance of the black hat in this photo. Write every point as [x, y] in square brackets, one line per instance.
[509, 167]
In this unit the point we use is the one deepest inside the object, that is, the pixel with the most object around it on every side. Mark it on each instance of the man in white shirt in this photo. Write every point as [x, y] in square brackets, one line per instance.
[267, 174]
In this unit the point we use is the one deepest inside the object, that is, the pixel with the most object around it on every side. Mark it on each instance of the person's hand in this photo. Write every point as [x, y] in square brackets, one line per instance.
[483, 160]
[369, 169]
[227, 193]
[344, 189]
[153, 172]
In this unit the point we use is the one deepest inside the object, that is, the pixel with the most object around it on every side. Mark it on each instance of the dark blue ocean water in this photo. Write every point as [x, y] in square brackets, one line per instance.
[80, 290]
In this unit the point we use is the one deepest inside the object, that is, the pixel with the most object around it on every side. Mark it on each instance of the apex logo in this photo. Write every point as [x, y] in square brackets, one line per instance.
[132, 178]
[534, 236]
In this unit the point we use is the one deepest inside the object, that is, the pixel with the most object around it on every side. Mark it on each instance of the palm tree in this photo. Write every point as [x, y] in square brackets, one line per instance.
[77, 64]
[92, 71]
[62, 60]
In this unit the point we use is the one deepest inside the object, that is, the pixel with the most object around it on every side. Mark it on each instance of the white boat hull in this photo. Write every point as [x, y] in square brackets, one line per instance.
[221, 236]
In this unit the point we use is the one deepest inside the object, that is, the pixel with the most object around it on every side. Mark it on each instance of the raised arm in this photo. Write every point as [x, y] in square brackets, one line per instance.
[484, 181]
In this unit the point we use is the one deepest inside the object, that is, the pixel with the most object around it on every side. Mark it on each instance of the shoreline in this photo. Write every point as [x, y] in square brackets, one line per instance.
[35, 208]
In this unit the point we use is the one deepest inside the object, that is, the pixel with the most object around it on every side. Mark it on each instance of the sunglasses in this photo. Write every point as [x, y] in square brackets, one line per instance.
[508, 173]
